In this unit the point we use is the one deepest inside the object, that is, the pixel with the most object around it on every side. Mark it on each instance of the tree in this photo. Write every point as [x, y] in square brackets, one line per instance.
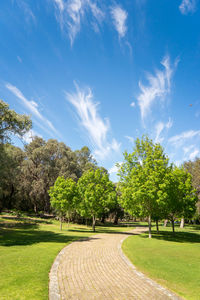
[96, 193]
[140, 177]
[85, 160]
[11, 122]
[10, 156]
[63, 197]
[11, 159]
[116, 211]
[44, 162]
[193, 167]
[178, 195]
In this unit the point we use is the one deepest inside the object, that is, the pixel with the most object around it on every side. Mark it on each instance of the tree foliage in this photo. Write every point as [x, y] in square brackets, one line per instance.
[96, 193]
[140, 177]
[11, 122]
[178, 195]
[193, 167]
[63, 196]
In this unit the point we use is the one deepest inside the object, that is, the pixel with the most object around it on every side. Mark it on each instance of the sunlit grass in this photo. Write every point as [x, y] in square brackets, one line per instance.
[173, 260]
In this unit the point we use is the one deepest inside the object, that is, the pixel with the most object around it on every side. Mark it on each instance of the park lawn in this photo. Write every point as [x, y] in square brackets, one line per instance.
[171, 260]
[28, 248]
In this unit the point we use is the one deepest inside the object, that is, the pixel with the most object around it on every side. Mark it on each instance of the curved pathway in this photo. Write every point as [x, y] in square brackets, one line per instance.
[96, 268]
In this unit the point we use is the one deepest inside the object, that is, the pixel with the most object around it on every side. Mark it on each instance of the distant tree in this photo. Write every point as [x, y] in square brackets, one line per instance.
[63, 197]
[85, 160]
[96, 193]
[178, 195]
[140, 177]
[44, 162]
[11, 159]
[10, 156]
[11, 122]
[193, 167]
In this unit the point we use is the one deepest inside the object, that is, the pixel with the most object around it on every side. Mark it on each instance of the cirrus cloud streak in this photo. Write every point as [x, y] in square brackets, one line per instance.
[89, 118]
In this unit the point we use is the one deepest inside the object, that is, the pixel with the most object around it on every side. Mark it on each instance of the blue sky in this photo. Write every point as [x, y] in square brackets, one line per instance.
[102, 73]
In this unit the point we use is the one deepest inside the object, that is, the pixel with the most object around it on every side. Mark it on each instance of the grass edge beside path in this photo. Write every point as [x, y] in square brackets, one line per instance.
[173, 261]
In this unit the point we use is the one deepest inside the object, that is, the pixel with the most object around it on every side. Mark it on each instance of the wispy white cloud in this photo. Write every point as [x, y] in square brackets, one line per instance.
[96, 128]
[184, 146]
[159, 86]
[19, 59]
[180, 139]
[159, 128]
[114, 168]
[71, 13]
[131, 139]
[28, 137]
[60, 4]
[119, 17]
[132, 104]
[31, 105]
[187, 149]
[194, 154]
[29, 15]
[188, 6]
[169, 123]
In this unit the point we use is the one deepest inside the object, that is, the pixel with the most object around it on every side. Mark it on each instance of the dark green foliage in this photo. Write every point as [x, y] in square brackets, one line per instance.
[12, 123]
[193, 167]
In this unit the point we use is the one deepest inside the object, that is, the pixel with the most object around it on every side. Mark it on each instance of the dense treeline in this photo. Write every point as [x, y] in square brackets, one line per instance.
[26, 175]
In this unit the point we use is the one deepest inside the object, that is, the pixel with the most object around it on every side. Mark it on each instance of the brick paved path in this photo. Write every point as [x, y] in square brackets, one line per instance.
[97, 269]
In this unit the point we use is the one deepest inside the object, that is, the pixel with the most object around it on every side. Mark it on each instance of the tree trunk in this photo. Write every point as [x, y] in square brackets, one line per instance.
[93, 223]
[35, 208]
[157, 228]
[68, 220]
[165, 223]
[182, 223]
[116, 219]
[149, 221]
[103, 218]
[173, 225]
[61, 222]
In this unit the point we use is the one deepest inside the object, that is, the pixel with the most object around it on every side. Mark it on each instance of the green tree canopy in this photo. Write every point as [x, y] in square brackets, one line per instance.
[63, 196]
[193, 167]
[96, 192]
[178, 195]
[140, 177]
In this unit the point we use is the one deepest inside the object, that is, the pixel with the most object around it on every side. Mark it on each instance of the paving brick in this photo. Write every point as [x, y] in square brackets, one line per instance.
[97, 269]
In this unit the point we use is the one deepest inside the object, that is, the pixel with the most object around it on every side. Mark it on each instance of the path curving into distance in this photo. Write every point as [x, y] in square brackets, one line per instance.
[96, 269]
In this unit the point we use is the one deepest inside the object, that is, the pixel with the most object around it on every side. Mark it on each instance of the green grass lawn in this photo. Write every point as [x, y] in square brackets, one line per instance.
[172, 260]
[28, 248]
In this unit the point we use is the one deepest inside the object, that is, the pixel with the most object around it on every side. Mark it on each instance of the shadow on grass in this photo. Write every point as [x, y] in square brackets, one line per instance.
[103, 230]
[179, 237]
[26, 220]
[24, 225]
[28, 234]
